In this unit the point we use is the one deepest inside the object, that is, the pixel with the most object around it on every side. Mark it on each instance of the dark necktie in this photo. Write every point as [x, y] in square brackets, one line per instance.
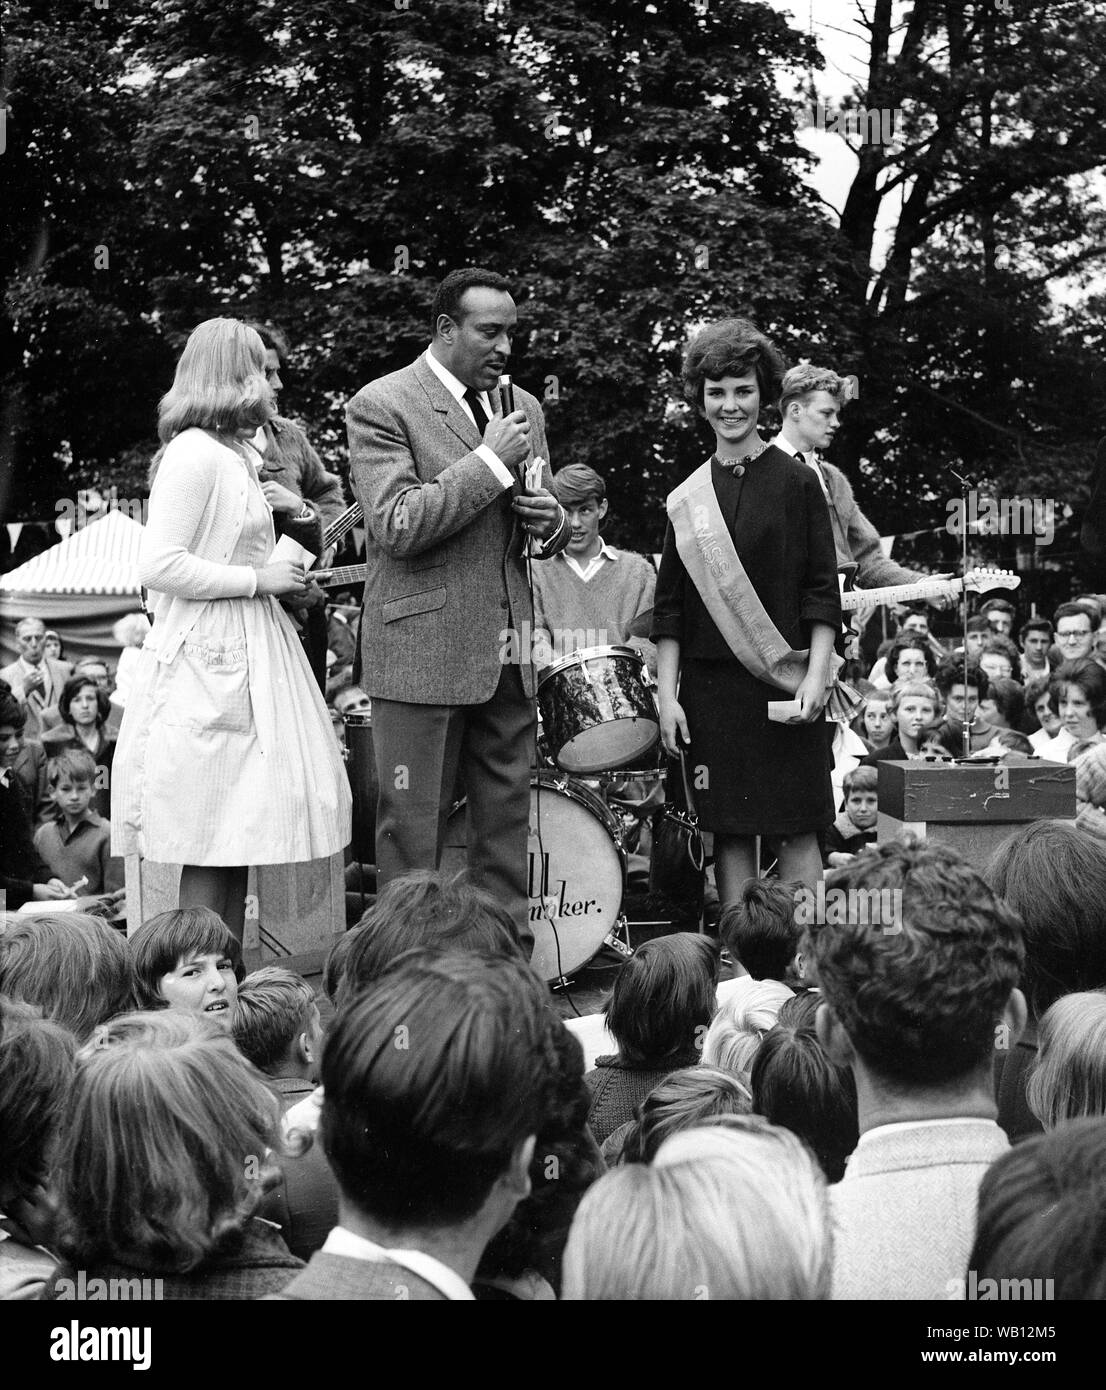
[479, 414]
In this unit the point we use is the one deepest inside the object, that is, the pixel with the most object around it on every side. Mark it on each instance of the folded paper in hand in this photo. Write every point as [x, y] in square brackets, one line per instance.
[288, 549]
[784, 711]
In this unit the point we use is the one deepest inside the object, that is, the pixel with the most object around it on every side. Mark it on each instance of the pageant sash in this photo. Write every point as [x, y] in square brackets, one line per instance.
[714, 567]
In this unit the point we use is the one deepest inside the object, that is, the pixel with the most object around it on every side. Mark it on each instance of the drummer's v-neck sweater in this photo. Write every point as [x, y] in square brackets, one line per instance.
[602, 607]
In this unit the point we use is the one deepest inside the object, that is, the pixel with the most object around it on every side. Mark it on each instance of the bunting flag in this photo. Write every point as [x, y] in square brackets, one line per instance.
[15, 530]
[885, 544]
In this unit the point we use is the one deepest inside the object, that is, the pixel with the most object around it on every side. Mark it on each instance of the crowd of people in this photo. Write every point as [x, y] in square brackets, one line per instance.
[788, 1108]
[834, 1120]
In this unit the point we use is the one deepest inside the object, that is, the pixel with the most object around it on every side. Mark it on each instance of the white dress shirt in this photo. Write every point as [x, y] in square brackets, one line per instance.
[808, 458]
[590, 568]
[445, 1280]
[457, 390]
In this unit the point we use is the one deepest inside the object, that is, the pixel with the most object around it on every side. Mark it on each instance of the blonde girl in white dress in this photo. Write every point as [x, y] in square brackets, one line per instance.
[225, 756]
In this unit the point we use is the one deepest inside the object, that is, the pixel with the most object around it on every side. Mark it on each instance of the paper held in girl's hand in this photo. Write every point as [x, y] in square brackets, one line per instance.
[288, 549]
[785, 711]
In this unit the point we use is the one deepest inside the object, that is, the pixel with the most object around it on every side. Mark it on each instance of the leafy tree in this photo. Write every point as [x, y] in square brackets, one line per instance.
[969, 355]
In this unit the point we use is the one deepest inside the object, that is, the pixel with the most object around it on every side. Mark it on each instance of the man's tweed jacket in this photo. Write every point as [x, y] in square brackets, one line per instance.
[445, 579]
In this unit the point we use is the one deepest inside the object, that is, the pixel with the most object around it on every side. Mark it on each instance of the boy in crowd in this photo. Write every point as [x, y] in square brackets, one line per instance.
[1036, 639]
[760, 934]
[979, 629]
[26, 760]
[277, 1026]
[76, 845]
[915, 1012]
[437, 1082]
[1000, 615]
[962, 693]
[855, 827]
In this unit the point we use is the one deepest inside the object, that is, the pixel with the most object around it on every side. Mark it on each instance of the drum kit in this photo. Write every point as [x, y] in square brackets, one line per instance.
[598, 727]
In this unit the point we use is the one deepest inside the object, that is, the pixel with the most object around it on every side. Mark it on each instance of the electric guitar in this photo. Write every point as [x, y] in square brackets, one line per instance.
[978, 580]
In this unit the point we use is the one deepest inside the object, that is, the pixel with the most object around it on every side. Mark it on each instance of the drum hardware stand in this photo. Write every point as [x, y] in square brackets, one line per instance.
[618, 938]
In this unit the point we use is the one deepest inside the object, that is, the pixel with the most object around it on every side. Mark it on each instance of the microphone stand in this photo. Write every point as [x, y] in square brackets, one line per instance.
[965, 733]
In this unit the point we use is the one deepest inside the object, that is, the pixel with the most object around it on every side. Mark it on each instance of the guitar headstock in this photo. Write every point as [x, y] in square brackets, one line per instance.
[984, 577]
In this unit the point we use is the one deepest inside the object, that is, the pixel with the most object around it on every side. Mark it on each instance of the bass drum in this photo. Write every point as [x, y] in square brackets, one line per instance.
[576, 871]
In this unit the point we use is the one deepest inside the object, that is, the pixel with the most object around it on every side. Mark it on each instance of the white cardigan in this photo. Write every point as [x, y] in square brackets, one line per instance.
[197, 509]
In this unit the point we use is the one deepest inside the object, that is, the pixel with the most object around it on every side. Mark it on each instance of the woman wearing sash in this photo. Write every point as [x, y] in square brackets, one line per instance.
[747, 612]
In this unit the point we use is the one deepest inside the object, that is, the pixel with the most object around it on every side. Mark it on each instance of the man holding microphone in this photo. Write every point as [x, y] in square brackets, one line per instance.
[455, 495]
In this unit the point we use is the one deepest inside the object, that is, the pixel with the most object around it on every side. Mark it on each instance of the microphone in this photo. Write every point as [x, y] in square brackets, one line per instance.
[506, 395]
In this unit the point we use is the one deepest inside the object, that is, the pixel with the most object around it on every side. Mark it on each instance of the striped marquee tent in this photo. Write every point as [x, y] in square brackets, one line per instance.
[80, 587]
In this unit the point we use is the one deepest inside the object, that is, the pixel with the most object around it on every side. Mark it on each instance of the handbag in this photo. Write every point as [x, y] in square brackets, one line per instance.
[677, 868]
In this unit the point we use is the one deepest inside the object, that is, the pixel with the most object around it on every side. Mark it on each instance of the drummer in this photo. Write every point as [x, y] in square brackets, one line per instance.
[589, 594]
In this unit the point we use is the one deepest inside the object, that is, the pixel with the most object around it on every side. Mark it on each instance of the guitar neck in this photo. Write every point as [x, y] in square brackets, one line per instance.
[335, 578]
[896, 593]
[340, 525]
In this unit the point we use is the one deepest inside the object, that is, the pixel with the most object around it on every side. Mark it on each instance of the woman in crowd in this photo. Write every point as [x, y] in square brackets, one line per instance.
[26, 760]
[736, 1211]
[1068, 1080]
[748, 580]
[796, 1085]
[684, 1100]
[188, 959]
[163, 1162]
[658, 1012]
[1004, 706]
[1038, 698]
[875, 723]
[910, 659]
[1053, 874]
[1078, 693]
[84, 710]
[226, 758]
[36, 1072]
[916, 707]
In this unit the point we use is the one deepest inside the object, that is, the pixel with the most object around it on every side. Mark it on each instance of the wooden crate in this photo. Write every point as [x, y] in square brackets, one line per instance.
[973, 807]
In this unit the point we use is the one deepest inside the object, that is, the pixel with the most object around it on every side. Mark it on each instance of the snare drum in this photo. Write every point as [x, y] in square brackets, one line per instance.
[361, 769]
[576, 872]
[597, 710]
